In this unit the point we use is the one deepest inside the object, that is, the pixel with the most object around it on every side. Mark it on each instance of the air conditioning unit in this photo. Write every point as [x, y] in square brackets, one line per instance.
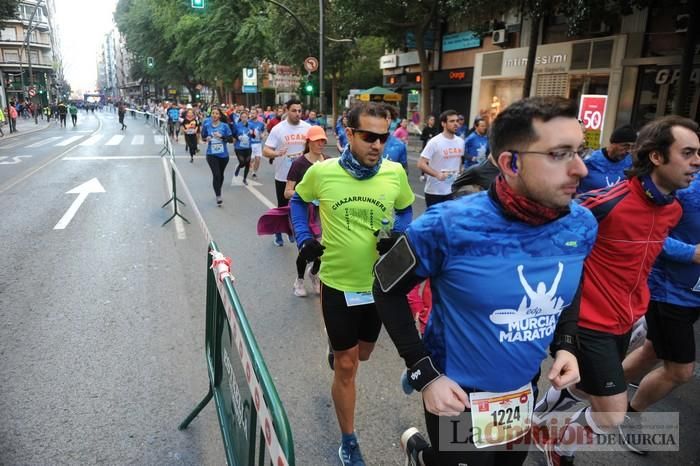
[499, 36]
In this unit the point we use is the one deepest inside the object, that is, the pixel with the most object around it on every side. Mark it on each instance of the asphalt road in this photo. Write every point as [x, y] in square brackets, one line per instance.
[101, 348]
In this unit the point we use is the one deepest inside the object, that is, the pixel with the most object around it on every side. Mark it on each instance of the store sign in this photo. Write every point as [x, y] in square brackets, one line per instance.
[250, 80]
[408, 58]
[461, 41]
[669, 76]
[592, 113]
[388, 61]
[550, 58]
[457, 75]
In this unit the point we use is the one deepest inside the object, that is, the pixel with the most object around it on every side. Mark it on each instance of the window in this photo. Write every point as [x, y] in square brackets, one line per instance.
[8, 34]
[34, 56]
[602, 54]
[11, 56]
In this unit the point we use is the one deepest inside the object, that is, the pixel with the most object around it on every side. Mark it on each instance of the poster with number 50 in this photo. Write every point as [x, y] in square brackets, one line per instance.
[591, 112]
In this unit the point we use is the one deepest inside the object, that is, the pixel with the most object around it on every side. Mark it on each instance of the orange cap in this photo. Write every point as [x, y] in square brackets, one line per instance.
[316, 133]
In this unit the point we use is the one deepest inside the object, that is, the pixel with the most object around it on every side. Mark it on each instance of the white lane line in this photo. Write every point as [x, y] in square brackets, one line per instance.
[68, 141]
[91, 140]
[268, 203]
[137, 140]
[179, 224]
[43, 142]
[11, 145]
[115, 140]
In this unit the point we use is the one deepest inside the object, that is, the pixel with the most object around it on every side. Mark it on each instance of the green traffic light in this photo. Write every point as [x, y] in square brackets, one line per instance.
[309, 88]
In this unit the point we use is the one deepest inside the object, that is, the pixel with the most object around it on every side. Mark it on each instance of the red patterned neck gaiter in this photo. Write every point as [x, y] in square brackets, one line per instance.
[523, 208]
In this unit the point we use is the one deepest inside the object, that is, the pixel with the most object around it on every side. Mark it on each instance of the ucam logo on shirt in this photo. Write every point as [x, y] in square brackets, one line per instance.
[536, 316]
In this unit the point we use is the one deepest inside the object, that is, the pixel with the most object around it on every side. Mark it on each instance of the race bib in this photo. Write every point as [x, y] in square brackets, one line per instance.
[217, 148]
[451, 175]
[358, 298]
[499, 418]
[244, 141]
[696, 288]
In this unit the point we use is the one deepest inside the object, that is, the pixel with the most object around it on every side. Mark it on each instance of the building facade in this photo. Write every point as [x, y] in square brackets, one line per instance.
[632, 60]
[30, 59]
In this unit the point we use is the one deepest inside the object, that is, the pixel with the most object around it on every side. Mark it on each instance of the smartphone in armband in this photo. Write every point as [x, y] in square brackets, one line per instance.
[395, 264]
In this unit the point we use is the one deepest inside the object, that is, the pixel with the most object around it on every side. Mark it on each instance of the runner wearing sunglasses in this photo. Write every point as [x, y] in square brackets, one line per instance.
[355, 192]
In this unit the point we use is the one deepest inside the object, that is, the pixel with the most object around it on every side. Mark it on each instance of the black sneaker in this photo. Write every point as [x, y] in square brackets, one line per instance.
[412, 443]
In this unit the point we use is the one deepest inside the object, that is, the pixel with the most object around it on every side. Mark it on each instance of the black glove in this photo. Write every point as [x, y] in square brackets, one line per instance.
[384, 244]
[311, 250]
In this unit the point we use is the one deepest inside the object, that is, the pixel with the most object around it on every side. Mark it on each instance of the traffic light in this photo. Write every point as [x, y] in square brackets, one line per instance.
[149, 62]
[309, 87]
[199, 4]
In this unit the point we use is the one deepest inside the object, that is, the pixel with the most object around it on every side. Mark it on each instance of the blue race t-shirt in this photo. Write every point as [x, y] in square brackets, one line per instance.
[258, 130]
[603, 172]
[243, 134]
[395, 150]
[173, 114]
[498, 287]
[217, 145]
[675, 279]
[476, 148]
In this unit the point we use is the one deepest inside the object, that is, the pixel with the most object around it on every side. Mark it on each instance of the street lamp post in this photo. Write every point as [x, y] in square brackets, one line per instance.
[321, 96]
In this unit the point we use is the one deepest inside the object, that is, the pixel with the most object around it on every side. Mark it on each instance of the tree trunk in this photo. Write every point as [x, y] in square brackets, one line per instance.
[681, 101]
[532, 52]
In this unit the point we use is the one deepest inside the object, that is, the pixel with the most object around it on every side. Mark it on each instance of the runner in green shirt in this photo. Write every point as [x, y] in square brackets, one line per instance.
[356, 193]
[73, 110]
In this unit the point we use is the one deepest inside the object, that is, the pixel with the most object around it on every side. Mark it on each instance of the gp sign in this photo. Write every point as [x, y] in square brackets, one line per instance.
[592, 113]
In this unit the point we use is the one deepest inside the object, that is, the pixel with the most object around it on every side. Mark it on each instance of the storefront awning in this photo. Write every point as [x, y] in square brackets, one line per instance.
[380, 94]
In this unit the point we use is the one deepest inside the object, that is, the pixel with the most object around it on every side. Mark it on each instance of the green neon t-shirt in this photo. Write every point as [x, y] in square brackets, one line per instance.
[351, 210]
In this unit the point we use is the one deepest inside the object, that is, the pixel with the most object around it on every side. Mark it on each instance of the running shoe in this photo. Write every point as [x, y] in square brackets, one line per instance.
[237, 171]
[412, 443]
[245, 182]
[627, 429]
[545, 407]
[291, 238]
[315, 283]
[219, 201]
[278, 240]
[350, 454]
[555, 458]
[255, 176]
[299, 289]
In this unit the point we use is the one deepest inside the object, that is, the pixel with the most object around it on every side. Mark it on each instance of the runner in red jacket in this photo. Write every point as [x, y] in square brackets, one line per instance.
[634, 218]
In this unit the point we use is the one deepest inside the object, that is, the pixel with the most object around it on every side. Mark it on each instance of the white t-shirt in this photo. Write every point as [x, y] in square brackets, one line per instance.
[293, 137]
[444, 155]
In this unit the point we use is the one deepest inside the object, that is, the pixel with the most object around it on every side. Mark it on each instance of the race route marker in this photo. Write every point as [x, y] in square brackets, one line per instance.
[92, 186]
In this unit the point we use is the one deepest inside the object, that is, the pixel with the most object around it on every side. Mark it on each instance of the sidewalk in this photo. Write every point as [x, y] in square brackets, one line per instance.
[25, 127]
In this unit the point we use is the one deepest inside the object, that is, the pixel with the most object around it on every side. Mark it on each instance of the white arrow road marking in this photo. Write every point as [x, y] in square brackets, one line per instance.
[13, 160]
[92, 186]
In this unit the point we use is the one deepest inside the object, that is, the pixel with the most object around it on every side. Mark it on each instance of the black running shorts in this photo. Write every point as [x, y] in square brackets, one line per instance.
[346, 326]
[670, 329]
[600, 358]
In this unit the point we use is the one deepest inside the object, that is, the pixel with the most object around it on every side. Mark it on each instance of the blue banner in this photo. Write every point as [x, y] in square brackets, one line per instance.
[460, 41]
[250, 89]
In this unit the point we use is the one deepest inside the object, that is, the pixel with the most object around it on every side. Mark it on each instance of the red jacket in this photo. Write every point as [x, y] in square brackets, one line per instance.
[632, 229]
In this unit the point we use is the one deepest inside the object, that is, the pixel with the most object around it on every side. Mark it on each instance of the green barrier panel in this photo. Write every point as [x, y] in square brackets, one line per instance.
[253, 422]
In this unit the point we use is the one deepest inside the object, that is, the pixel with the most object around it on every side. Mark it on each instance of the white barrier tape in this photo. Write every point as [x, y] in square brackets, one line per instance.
[264, 419]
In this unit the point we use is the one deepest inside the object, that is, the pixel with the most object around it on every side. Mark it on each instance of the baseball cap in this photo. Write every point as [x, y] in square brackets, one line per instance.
[316, 133]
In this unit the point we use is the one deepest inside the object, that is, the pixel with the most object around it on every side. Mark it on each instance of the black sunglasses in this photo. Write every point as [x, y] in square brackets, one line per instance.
[369, 136]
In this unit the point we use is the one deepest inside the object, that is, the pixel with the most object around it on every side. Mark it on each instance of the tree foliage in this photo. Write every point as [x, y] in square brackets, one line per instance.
[8, 10]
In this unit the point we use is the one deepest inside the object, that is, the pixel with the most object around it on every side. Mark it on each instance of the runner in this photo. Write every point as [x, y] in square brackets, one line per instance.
[190, 126]
[256, 142]
[73, 110]
[315, 143]
[356, 192]
[217, 133]
[634, 218]
[495, 261]
[174, 121]
[441, 160]
[62, 111]
[121, 111]
[607, 165]
[285, 143]
[674, 284]
[243, 134]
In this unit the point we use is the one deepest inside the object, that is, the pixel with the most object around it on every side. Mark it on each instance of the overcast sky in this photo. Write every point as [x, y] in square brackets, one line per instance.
[82, 25]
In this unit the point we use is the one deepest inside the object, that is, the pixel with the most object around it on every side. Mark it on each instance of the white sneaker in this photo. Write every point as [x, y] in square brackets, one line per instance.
[299, 289]
[315, 282]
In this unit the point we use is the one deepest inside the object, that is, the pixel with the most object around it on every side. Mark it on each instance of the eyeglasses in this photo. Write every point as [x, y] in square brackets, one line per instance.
[370, 137]
[561, 155]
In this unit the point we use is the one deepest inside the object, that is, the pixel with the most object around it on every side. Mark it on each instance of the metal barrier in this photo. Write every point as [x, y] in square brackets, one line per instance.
[252, 419]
